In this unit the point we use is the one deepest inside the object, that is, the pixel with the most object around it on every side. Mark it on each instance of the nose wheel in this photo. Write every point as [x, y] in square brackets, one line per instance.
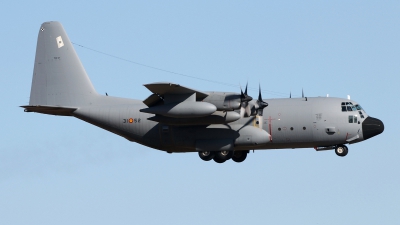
[341, 150]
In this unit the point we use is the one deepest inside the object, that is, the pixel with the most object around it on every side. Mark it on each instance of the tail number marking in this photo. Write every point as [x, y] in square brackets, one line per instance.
[131, 120]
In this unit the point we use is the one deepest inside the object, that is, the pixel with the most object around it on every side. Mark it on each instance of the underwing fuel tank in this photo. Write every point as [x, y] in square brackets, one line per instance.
[215, 118]
[182, 109]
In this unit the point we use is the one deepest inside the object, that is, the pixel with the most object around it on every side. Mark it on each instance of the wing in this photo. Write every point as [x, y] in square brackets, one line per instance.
[170, 92]
[174, 104]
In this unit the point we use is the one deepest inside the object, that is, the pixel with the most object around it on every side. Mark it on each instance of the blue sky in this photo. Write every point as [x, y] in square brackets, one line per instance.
[59, 170]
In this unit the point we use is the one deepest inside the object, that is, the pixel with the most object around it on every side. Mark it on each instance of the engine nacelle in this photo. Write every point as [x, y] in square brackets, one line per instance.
[224, 101]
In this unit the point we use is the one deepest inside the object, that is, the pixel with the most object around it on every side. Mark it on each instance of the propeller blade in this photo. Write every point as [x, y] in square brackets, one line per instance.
[261, 106]
[244, 97]
[260, 102]
[302, 93]
[242, 110]
[260, 122]
[245, 110]
[248, 110]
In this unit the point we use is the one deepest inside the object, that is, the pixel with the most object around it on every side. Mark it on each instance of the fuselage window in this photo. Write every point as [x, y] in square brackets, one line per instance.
[353, 119]
[349, 108]
[358, 107]
[344, 108]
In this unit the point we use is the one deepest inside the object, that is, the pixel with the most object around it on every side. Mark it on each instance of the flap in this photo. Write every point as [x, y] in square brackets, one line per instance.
[169, 88]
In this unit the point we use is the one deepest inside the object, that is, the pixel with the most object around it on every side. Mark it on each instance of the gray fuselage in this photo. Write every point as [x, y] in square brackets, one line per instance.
[292, 123]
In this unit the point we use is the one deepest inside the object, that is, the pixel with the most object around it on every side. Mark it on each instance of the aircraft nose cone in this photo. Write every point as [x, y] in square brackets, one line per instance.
[372, 127]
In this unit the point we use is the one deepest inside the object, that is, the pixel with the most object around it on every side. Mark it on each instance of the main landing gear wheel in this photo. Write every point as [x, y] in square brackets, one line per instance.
[206, 155]
[224, 155]
[341, 150]
[218, 160]
[239, 156]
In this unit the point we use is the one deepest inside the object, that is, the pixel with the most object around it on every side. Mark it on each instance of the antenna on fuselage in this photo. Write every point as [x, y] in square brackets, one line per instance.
[348, 97]
[302, 94]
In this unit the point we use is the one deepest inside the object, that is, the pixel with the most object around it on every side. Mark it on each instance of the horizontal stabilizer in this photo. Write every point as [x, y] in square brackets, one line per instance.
[52, 110]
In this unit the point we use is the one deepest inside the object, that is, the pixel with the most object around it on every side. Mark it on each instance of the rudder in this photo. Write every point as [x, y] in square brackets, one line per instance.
[59, 78]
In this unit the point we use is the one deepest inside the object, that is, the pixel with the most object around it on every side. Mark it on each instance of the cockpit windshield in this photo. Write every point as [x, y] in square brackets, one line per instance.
[348, 107]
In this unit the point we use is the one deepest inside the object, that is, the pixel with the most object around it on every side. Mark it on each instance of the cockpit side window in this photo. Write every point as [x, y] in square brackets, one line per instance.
[353, 119]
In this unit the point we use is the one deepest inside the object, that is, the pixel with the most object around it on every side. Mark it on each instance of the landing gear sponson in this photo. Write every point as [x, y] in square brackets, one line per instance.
[222, 156]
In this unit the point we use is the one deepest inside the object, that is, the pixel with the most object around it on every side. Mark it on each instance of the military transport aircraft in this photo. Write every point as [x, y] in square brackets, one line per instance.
[217, 125]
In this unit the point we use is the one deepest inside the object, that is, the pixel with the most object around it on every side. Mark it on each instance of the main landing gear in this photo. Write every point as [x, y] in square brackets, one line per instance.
[222, 156]
[341, 150]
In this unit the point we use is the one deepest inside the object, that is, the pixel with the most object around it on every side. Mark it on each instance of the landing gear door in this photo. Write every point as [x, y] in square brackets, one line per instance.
[166, 135]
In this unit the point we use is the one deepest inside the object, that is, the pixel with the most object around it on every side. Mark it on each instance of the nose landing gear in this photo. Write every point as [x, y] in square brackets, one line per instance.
[341, 150]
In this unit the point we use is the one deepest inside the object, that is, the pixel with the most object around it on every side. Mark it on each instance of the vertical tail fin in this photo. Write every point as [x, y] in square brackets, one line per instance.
[59, 78]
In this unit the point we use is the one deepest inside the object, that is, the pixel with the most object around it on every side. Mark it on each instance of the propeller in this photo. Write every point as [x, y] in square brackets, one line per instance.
[244, 99]
[261, 105]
